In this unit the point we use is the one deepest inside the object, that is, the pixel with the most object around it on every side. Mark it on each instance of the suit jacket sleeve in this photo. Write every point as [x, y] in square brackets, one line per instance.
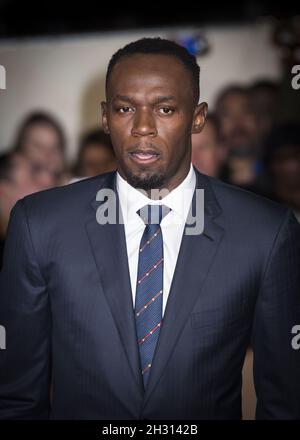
[276, 362]
[24, 312]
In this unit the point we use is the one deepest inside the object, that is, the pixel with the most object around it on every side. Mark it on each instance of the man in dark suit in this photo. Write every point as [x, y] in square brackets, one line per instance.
[137, 318]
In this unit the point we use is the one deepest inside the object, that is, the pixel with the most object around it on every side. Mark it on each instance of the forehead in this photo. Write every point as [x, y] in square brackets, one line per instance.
[41, 128]
[150, 74]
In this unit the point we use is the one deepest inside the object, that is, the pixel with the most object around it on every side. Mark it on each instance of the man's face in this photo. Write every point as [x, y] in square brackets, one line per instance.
[150, 114]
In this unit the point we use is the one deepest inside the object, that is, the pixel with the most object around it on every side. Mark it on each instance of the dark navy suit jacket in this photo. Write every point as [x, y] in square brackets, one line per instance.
[66, 304]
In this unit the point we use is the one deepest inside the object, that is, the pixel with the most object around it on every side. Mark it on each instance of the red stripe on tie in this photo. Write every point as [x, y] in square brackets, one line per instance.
[146, 368]
[150, 270]
[148, 303]
[141, 341]
[150, 239]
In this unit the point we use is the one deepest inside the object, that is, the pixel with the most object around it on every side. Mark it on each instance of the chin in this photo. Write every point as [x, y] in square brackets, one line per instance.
[145, 179]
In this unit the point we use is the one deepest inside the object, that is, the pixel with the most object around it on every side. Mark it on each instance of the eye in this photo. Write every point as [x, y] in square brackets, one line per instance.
[166, 110]
[125, 109]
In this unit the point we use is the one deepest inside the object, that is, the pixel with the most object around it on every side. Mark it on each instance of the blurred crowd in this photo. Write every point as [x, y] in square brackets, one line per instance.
[244, 143]
[37, 160]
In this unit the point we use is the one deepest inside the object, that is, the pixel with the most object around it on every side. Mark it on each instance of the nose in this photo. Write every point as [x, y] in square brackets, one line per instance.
[144, 123]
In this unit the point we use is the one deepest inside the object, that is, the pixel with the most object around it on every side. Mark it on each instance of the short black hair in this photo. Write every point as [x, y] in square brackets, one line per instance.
[158, 46]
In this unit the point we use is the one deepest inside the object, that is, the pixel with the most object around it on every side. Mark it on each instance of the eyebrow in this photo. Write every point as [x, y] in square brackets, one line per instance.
[157, 100]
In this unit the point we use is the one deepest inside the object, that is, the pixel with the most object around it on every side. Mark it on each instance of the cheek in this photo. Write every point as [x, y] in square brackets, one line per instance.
[175, 130]
[118, 123]
[119, 131]
[117, 142]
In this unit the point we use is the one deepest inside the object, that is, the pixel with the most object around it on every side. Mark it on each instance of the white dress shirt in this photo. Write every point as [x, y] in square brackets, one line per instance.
[172, 225]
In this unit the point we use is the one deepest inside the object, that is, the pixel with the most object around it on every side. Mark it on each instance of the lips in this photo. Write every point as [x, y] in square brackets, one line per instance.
[144, 156]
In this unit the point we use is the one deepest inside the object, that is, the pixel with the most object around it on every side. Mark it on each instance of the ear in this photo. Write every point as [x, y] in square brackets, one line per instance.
[200, 114]
[104, 117]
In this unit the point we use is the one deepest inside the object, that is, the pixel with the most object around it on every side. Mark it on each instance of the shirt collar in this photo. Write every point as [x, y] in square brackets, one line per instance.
[178, 199]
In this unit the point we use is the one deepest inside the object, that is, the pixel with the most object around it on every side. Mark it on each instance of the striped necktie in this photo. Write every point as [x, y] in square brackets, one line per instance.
[149, 288]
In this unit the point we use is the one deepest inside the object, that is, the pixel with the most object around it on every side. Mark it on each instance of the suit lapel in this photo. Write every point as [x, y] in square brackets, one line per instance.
[108, 245]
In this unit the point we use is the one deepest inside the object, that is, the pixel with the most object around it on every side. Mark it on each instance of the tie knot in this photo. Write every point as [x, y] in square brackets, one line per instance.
[153, 214]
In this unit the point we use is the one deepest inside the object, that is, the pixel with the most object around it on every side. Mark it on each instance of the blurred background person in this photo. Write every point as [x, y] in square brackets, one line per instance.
[42, 140]
[95, 156]
[264, 95]
[282, 165]
[207, 152]
[16, 181]
[238, 132]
